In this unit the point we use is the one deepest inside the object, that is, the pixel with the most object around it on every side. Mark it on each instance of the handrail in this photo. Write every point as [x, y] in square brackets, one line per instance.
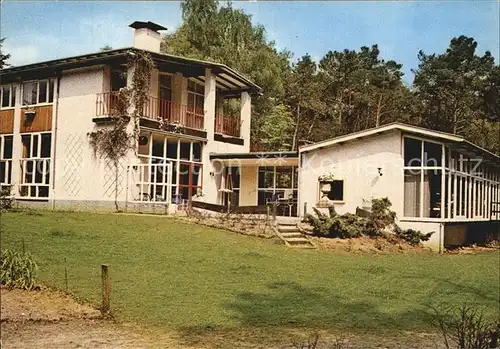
[228, 125]
[155, 108]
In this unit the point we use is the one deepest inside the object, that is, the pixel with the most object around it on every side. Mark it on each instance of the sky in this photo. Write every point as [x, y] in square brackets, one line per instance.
[39, 31]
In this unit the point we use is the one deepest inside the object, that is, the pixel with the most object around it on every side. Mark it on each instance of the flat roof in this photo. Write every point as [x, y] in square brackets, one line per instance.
[227, 79]
[452, 140]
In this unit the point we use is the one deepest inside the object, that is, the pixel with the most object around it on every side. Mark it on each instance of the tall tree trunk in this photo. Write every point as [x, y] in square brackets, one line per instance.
[379, 109]
[295, 133]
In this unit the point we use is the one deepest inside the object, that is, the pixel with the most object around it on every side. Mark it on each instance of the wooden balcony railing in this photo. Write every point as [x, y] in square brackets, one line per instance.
[155, 109]
[228, 125]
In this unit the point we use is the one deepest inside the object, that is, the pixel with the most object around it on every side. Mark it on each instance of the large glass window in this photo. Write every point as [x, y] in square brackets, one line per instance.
[458, 188]
[7, 96]
[278, 184]
[5, 160]
[185, 157]
[35, 165]
[36, 92]
[196, 96]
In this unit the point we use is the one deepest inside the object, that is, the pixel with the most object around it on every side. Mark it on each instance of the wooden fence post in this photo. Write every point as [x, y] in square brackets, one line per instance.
[274, 211]
[66, 274]
[106, 289]
[305, 208]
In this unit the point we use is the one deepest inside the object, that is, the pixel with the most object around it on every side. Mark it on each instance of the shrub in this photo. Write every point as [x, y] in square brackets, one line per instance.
[465, 327]
[413, 237]
[380, 217]
[5, 198]
[17, 270]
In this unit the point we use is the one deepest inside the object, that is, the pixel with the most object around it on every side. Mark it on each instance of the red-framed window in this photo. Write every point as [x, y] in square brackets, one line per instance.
[190, 179]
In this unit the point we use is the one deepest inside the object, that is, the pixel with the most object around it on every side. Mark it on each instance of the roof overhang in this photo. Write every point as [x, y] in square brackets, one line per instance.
[453, 141]
[257, 159]
[229, 82]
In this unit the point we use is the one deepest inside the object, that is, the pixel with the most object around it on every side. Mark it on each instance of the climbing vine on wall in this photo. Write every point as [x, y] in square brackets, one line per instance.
[113, 142]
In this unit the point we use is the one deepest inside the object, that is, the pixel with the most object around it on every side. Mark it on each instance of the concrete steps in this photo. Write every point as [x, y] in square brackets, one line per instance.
[292, 236]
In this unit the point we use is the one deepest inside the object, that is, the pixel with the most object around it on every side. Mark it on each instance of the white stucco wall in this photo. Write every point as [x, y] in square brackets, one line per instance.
[79, 176]
[356, 163]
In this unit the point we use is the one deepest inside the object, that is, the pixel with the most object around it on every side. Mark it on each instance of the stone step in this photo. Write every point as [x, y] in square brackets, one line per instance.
[297, 240]
[292, 235]
[288, 228]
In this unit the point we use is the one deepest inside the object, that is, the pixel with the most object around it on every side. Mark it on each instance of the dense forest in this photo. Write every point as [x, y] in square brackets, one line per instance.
[455, 91]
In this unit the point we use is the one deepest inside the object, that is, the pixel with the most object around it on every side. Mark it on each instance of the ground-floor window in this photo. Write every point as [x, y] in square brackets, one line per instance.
[231, 174]
[460, 187]
[278, 184]
[6, 142]
[35, 165]
[185, 156]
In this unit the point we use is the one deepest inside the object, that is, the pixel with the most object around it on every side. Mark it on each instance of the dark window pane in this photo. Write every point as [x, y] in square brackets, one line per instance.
[235, 175]
[13, 97]
[7, 150]
[26, 140]
[432, 154]
[413, 152]
[432, 194]
[34, 153]
[46, 140]
[266, 177]
[51, 90]
[157, 147]
[284, 177]
[118, 79]
[6, 96]
[3, 171]
[337, 191]
[184, 174]
[43, 192]
[185, 150]
[172, 148]
[42, 92]
[196, 151]
[196, 177]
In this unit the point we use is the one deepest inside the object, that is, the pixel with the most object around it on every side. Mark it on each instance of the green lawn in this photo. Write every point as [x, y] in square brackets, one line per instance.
[166, 272]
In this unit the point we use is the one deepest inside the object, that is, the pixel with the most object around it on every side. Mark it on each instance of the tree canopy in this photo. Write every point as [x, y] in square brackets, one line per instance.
[456, 91]
[3, 56]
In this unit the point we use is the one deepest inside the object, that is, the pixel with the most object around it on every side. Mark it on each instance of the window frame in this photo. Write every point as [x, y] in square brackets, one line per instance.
[12, 102]
[6, 160]
[49, 93]
[28, 181]
[320, 194]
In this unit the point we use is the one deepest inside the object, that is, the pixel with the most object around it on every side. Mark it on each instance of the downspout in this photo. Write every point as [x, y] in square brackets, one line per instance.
[54, 142]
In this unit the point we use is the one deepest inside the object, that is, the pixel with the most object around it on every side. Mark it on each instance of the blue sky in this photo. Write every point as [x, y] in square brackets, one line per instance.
[38, 31]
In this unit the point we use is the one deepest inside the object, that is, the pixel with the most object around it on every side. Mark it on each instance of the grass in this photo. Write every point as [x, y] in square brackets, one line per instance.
[169, 273]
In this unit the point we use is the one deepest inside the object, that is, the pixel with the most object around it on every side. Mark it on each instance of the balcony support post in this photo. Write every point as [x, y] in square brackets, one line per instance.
[209, 104]
[245, 116]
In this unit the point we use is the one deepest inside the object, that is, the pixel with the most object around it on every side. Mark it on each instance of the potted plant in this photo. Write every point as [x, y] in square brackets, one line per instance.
[325, 182]
[29, 114]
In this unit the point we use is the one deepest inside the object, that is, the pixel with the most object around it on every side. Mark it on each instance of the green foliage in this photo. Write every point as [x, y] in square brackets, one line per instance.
[113, 142]
[105, 48]
[413, 237]
[277, 129]
[226, 35]
[458, 91]
[3, 56]
[17, 270]
[336, 226]
[379, 222]
[5, 198]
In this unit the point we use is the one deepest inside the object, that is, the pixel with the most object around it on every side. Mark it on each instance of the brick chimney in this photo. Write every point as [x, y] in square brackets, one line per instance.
[146, 36]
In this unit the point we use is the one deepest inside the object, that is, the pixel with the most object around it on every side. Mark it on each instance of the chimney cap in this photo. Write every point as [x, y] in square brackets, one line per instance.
[148, 25]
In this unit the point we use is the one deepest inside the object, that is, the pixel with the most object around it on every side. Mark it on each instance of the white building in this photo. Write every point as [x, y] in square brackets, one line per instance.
[48, 109]
[436, 181]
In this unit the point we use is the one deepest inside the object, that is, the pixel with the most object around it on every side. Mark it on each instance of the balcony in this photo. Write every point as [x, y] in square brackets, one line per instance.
[228, 125]
[155, 109]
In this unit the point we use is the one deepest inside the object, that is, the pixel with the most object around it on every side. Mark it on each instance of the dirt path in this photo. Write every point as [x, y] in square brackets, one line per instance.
[48, 319]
